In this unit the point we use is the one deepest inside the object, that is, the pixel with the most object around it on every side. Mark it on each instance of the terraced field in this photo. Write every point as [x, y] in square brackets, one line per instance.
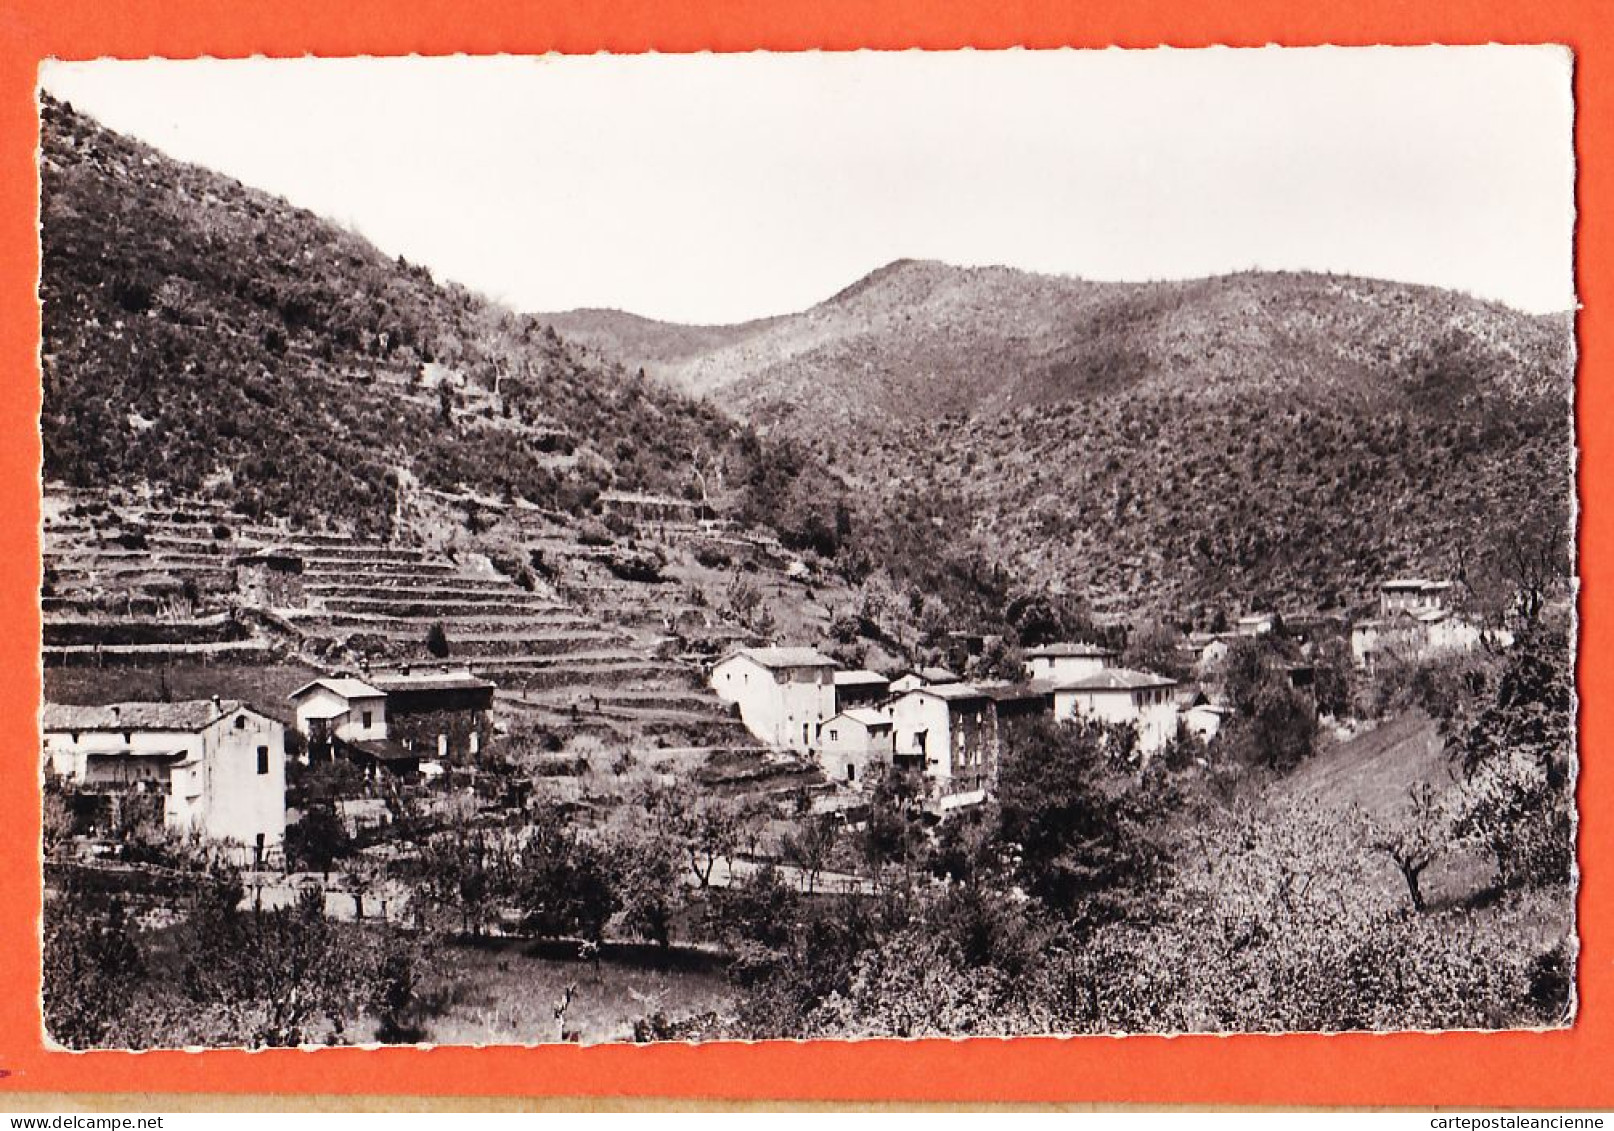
[135, 583]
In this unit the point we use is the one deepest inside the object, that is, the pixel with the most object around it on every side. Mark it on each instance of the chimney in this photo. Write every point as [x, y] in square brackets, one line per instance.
[218, 708]
[117, 712]
[403, 669]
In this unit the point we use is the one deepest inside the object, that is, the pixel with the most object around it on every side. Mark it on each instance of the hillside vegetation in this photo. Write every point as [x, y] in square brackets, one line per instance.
[210, 338]
[1220, 443]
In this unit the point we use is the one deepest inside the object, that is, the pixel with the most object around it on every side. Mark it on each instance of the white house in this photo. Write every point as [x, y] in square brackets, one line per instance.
[336, 707]
[1412, 595]
[1256, 624]
[1206, 719]
[219, 766]
[1067, 661]
[783, 693]
[949, 732]
[848, 743]
[1413, 634]
[1120, 695]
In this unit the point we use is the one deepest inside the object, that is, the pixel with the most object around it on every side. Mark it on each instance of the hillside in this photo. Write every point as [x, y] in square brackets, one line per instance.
[207, 337]
[1187, 446]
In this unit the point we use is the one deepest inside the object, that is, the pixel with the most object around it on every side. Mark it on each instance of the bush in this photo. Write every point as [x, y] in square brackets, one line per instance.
[437, 640]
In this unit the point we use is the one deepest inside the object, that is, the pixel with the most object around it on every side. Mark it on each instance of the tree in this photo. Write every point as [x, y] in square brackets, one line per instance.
[810, 847]
[282, 977]
[565, 886]
[437, 640]
[1518, 760]
[644, 870]
[1333, 677]
[318, 839]
[701, 828]
[1417, 840]
[891, 834]
[1153, 647]
[1071, 818]
[92, 967]
[466, 872]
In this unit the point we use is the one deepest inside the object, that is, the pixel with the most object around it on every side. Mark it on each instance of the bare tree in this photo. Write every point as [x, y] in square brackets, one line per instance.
[1419, 839]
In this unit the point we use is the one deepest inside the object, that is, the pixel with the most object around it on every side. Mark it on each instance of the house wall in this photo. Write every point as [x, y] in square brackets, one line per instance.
[458, 734]
[1065, 667]
[239, 803]
[1203, 721]
[215, 789]
[922, 725]
[319, 703]
[1153, 711]
[859, 694]
[957, 738]
[780, 706]
[848, 744]
[974, 744]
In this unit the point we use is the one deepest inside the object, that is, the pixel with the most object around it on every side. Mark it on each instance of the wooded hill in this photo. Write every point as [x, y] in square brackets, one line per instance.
[1249, 440]
[206, 337]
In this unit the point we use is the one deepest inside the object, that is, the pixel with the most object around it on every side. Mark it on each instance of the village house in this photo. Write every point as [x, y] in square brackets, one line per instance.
[783, 693]
[1256, 624]
[921, 677]
[1415, 622]
[217, 767]
[948, 732]
[848, 743]
[1016, 707]
[1067, 661]
[347, 718]
[1119, 695]
[861, 688]
[1209, 649]
[446, 713]
[1201, 716]
[1412, 595]
[340, 708]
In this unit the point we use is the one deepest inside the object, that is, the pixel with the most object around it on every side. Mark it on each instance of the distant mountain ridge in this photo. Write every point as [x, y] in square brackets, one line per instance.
[990, 339]
[1147, 444]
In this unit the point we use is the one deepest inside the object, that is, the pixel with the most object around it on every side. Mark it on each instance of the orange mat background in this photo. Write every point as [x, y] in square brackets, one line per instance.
[1570, 1068]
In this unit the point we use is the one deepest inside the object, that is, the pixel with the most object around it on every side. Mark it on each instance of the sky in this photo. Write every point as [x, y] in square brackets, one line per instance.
[717, 188]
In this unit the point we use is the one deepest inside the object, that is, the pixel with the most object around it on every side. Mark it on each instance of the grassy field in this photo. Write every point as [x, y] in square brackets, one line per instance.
[505, 991]
[1374, 772]
[265, 686]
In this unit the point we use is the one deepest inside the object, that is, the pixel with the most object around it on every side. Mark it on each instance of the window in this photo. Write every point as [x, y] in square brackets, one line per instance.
[240, 722]
[367, 720]
[834, 735]
[263, 759]
[851, 772]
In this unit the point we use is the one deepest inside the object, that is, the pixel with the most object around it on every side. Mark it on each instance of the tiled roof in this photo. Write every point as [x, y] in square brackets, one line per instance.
[868, 716]
[1117, 679]
[950, 691]
[1070, 651]
[860, 677]
[461, 680]
[386, 750]
[1030, 689]
[346, 687]
[188, 715]
[784, 657]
